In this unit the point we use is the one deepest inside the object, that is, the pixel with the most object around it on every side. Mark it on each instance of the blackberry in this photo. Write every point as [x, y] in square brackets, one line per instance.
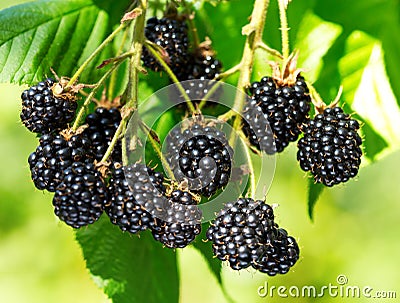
[238, 231]
[202, 156]
[80, 198]
[43, 111]
[280, 252]
[284, 106]
[245, 234]
[205, 68]
[55, 154]
[172, 36]
[181, 223]
[130, 189]
[102, 125]
[330, 148]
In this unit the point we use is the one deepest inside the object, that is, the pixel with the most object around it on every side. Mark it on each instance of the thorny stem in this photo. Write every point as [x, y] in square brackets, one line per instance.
[96, 52]
[284, 29]
[158, 151]
[131, 91]
[254, 35]
[89, 98]
[170, 73]
[270, 50]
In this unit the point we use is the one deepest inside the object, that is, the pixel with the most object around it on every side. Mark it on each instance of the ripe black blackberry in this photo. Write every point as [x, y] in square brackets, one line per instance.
[201, 155]
[44, 111]
[56, 153]
[171, 34]
[181, 222]
[285, 105]
[244, 234]
[280, 252]
[80, 198]
[330, 148]
[135, 191]
[102, 125]
[238, 231]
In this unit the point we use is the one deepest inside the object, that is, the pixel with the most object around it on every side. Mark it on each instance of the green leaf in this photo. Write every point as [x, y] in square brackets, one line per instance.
[313, 40]
[129, 268]
[59, 34]
[314, 191]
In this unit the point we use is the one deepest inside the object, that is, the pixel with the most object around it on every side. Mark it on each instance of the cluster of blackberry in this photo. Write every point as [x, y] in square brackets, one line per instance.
[245, 234]
[135, 198]
[277, 113]
[171, 33]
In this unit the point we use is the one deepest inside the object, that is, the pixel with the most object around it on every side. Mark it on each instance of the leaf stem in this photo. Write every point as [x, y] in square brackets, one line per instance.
[284, 29]
[96, 52]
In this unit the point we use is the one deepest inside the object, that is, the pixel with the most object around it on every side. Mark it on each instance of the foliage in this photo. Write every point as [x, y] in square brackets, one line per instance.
[336, 49]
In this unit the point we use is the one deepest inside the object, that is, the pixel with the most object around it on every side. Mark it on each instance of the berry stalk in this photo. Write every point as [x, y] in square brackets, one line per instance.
[284, 29]
[96, 52]
[173, 77]
[89, 98]
[254, 32]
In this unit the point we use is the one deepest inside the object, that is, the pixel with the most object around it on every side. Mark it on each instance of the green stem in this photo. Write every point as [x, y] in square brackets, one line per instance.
[114, 141]
[130, 95]
[160, 155]
[172, 76]
[113, 78]
[89, 98]
[192, 26]
[252, 189]
[284, 29]
[96, 52]
[254, 35]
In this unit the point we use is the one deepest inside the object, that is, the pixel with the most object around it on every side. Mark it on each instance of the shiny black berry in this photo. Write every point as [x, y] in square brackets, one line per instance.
[202, 156]
[55, 154]
[81, 196]
[245, 234]
[238, 231]
[280, 253]
[172, 36]
[135, 191]
[181, 223]
[102, 125]
[285, 107]
[43, 112]
[331, 147]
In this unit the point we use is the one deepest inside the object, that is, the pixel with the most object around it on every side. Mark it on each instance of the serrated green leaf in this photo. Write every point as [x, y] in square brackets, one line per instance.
[59, 34]
[129, 268]
[314, 191]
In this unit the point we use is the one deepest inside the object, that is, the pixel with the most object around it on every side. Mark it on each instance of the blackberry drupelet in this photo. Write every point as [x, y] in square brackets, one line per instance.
[331, 147]
[129, 190]
[181, 223]
[238, 230]
[284, 106]
[55, 154]
[170, 34]
[80, 198]
[202, 156]
[102, 125]
[280, 252]
[43, 111]
[244, 234]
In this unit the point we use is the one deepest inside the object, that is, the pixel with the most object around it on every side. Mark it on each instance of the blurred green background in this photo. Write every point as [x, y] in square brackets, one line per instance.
[355, 232]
